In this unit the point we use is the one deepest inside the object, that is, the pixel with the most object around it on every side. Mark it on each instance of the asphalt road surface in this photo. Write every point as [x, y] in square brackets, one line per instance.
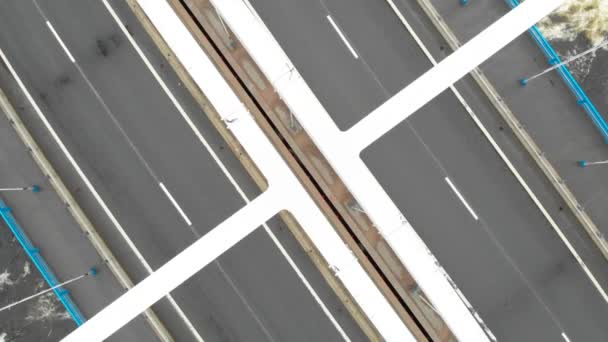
[42, 319]
[51, 228]
[495, 244]
[138, 151]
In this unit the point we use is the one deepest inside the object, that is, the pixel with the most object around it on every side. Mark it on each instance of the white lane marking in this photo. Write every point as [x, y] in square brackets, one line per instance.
[89, 185]
[65, 48]
[224, 169]
[506, 160]
[244, 300]
[72, 161]
[70, 158]
[175, 204]
[335, 26]
[565, 337]
[466, 204]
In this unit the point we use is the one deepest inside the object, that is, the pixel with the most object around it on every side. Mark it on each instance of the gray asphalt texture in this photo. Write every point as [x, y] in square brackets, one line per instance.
[24, 322]
[510, 264]
[127, 136]
[51, 228]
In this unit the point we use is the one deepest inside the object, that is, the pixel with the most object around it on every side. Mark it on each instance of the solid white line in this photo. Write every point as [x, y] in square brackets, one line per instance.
[89, 186]
[506, 160]
[67, 52]
[461, 198]
[565, 337]
[178, 269]
[72, 161]
[97, 197]
[225, 170]
[175, 204]
[333, 24]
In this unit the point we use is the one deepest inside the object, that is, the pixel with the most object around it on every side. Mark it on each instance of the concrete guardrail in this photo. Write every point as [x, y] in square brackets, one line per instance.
[34, 254]
[564, 72]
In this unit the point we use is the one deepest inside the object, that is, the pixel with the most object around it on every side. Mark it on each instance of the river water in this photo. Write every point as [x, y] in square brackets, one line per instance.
[575, 27]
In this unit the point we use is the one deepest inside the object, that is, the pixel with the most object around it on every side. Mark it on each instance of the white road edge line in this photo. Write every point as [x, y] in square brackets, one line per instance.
[84, 178]
[506, 160]
[175, 204]
[466, 204]
[565, 337]
[65, 48]
[339, 32]
[224, 169]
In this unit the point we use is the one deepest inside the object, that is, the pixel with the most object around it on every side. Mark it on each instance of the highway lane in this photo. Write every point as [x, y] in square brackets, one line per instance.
[503, 254]
[559, 125]
[128, 138]
[51, 228]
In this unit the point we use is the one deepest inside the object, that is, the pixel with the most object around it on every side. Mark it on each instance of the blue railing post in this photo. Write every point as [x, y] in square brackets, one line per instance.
[34, 255]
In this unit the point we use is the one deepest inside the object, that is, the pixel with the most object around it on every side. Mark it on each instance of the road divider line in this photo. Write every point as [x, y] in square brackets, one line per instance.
[179, 268]
[464, 201]
[80, 217]
[175, 204]
[226, 172]
[565, 337]
[342, 150]
[341, 35]
[65, 48]
[169, 297]
[524, 138]
[91, 188]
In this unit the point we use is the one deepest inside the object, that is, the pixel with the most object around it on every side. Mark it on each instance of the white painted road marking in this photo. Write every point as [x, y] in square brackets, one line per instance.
[225, 170]
[504, 157]
[85, 179]
[65, 48]
[333, 24]
[466, 204]
[175, 204]
[565, 337]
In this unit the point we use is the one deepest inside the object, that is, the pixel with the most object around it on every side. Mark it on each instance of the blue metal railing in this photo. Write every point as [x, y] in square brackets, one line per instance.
[581, 98]
[34, 254]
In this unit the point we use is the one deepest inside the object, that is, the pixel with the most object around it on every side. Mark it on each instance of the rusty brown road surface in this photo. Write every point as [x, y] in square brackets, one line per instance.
[315, 173]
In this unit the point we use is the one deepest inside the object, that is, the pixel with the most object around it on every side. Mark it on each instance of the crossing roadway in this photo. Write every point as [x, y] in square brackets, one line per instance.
[440, 170]
[153, 175]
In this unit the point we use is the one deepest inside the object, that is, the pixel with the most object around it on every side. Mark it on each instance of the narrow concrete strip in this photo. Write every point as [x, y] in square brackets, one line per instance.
[520, 132]
[290, 221]
[85, 224]
[178, 269]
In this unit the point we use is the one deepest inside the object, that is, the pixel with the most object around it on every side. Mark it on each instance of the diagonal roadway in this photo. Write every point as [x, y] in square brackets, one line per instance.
[440, 171]
[159, 183]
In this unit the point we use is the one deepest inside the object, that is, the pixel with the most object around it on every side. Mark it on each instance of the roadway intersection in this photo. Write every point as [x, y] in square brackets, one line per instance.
[128, 138]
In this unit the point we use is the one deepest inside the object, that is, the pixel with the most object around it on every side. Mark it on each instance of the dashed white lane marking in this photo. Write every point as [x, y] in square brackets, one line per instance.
[85, 179]
[224, 169]
[506, 160]
[65, 48]
[175, 204]
[565, 337]
[341, 35]
[464, 202]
